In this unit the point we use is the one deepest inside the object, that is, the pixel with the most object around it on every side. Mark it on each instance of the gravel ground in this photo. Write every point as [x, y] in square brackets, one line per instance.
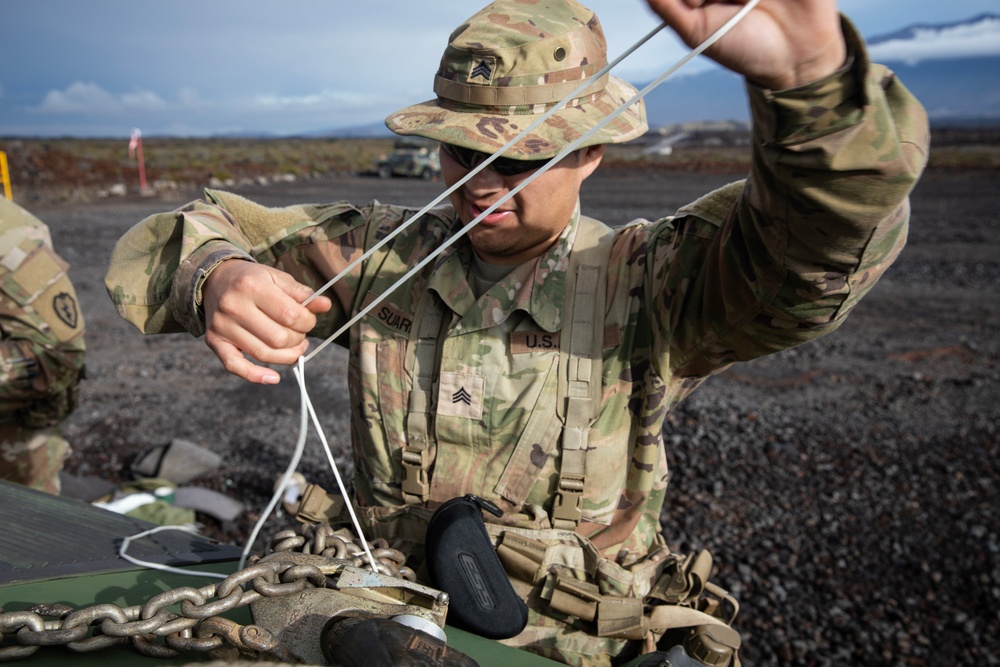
[845, 488]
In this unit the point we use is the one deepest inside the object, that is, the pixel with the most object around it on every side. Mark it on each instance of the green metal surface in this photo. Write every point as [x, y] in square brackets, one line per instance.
[56, 550]
[46, 536]
[135, 586]
[124, 588]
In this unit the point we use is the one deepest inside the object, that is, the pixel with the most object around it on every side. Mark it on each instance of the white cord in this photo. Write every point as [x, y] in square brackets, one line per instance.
[307, 409]
[300, 374]
[279, 492]
[159, 566]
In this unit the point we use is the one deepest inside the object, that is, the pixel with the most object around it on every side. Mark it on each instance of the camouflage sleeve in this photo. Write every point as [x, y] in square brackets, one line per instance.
[158, 267]
[167, 248]
[42, 348]
[782, 258]
[39, 373]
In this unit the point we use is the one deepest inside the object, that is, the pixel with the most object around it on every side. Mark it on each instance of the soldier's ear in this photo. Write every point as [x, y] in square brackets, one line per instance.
[589, 159]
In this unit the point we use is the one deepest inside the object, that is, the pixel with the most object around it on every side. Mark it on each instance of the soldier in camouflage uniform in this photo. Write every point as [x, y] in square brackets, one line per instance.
[42, 354]
[474, 377]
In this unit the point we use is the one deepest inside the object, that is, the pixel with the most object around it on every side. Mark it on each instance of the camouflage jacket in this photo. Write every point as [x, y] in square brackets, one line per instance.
[754, 268]
[42, 353]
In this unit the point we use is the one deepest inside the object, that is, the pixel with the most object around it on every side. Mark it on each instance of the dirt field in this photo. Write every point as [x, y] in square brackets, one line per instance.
[846, 489]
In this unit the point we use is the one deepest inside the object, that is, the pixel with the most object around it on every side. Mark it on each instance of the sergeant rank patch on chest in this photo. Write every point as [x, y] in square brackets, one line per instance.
[461, 395]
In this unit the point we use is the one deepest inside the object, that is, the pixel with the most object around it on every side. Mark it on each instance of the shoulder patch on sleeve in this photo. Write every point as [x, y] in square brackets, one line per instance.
[59, 307]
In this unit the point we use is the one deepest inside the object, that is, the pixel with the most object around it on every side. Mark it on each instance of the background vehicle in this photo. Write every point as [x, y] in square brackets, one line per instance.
[412, 157]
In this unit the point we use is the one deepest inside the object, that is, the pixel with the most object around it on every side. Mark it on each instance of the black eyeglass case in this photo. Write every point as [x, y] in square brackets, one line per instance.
[461, 561]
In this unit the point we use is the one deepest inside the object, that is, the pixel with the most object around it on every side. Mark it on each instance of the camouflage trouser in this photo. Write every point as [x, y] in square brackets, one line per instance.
[32, 457]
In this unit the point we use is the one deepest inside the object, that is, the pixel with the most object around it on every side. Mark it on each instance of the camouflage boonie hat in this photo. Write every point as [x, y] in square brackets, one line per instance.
[513, 61]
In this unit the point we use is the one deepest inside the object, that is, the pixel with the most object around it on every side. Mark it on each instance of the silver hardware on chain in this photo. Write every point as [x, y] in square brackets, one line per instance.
[199, 627]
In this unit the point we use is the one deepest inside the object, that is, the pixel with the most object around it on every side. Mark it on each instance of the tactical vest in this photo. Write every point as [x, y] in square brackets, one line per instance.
[595, 606]
[579, 381]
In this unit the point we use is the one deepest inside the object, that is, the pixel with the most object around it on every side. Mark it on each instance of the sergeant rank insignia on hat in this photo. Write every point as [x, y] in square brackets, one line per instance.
[484, 70]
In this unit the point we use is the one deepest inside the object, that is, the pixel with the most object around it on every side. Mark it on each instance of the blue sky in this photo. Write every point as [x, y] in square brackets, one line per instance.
[198, 67]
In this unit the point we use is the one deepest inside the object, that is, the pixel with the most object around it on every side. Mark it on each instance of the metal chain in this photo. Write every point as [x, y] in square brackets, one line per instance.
[322, 539]
[198, 627]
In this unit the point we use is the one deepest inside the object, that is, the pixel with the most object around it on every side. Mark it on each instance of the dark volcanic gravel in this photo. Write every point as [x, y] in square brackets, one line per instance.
[846, 488]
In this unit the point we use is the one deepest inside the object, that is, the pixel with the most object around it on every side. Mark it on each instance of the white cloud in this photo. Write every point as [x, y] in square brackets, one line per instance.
[284, 101]
[88, 97]
[323, 99]
[189, 97]
[142, 99]
[978, 39]
[187, 111]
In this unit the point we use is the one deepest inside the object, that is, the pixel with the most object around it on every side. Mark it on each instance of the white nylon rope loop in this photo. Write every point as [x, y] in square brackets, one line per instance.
[718, 34]
[293, 464]
[306, 410]
[482, 165]
[160, 566]
[300, 374]
[300, 446]
[279, 492]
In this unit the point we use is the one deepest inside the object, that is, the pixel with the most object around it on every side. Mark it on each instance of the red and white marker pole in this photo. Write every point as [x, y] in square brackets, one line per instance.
[135, 150]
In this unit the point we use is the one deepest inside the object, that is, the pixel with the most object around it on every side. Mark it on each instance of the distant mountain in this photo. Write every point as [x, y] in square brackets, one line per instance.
[246, 134]
[955, 89]
[915, 31]
[715, 94]
[376, 130]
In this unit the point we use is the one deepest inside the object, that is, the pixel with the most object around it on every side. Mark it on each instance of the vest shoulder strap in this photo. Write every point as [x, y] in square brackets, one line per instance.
[417, 455]
[580, 363]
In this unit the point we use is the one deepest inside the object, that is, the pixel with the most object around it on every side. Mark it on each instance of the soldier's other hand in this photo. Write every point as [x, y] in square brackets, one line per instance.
[255, 310]
[780, 44]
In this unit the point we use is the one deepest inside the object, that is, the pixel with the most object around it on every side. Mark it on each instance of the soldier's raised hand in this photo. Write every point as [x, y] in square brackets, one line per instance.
[780, 44]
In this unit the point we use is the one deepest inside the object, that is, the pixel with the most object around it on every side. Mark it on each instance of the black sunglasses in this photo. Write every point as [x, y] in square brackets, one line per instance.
[505, 166]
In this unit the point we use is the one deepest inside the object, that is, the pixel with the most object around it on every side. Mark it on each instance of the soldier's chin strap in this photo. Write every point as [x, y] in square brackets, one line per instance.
[306, 403]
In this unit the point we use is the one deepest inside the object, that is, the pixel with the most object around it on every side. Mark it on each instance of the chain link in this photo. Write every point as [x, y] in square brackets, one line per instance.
[199, 627]
[324, 540]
